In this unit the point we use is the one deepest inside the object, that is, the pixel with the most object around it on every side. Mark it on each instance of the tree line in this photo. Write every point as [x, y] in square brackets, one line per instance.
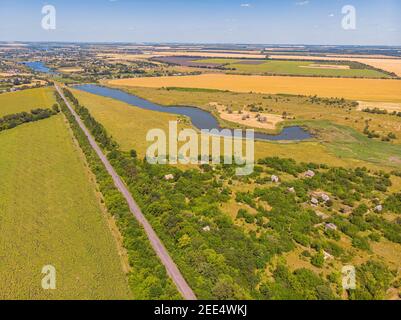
[13, 120]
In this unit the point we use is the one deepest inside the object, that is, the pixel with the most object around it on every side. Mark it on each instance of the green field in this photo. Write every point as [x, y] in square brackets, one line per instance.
[50, 214]
[298, 68]
[26, 100]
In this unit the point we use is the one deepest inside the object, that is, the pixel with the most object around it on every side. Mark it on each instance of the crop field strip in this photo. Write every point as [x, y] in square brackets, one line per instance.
[49, 217]
[355, 89]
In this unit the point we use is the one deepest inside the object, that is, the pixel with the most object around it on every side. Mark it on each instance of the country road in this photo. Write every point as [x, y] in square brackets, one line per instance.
[156, 243]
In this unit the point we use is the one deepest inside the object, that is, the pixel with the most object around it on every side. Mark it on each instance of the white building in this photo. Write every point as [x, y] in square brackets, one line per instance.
[275, 179]
[309, 174]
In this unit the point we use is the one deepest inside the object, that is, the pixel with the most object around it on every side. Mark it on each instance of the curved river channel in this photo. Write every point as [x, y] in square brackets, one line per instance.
[201, 119]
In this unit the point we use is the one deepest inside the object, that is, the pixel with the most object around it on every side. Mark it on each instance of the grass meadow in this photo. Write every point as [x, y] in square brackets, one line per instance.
[26, 100]
[50, 214]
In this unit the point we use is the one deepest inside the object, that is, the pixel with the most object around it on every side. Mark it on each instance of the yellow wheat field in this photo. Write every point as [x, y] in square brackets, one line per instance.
[356, 89]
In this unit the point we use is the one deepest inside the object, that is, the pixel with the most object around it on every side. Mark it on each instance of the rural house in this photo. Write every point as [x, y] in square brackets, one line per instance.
[275, 179]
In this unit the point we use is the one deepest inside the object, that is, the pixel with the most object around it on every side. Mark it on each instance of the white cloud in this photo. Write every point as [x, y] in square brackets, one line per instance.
[302, 3]
[246, 5]
[331, 15]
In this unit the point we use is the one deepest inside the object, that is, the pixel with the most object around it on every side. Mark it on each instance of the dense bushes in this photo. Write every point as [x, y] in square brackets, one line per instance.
[373, 279]
[302, 284]
[382, 111]
[393, 203]
[16, 119]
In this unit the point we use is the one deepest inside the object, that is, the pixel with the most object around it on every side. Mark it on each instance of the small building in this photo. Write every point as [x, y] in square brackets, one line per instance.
[331, 226]
[206, 229]
[275, 179]
[379, 208]
[291, 190]
[314, 201]
[325, 197]
[327, 256]
[309, 174]
[169, 177]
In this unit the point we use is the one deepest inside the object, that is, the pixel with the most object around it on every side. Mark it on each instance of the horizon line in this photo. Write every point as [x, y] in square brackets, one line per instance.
[201, 43]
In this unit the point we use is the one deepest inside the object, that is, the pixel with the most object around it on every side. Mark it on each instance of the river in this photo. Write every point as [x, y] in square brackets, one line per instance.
[38, 66]
[201, 119]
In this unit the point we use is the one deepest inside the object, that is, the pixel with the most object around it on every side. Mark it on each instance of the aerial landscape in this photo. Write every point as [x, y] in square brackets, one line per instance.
[200, 159]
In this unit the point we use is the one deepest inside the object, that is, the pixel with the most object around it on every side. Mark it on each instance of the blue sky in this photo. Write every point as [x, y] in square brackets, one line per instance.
[204, 21]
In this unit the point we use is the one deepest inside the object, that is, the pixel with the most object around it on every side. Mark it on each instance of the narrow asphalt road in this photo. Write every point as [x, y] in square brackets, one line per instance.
[156, 243]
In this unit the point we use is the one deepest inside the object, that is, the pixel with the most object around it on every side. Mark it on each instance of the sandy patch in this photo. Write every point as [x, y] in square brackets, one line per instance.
[326, 66]
[71, 70]
[390, 107]
[369, 56]
[250, 119]
[5, 74]
[391, 252]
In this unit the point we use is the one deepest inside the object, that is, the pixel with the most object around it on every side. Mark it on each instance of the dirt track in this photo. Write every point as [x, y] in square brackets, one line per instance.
[156, 243]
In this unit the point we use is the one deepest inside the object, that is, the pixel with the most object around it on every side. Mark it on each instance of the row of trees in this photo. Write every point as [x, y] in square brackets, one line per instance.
[382, 111]
[16, 119]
